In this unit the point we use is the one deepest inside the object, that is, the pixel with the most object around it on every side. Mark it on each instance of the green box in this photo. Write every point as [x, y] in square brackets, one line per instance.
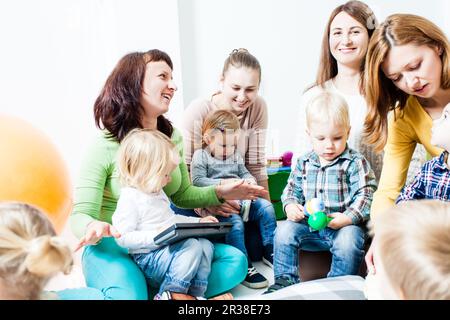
[277, 182]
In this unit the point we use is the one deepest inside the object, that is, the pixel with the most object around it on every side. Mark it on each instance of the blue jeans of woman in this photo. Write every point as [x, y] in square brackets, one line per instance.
[182, 267]
[346, 246]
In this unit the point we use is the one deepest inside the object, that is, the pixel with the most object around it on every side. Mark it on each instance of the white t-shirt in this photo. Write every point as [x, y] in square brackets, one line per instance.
[139, 217]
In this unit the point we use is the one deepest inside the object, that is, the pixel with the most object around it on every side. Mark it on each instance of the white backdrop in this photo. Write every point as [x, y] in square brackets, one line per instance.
[57, 54]
[285, 36]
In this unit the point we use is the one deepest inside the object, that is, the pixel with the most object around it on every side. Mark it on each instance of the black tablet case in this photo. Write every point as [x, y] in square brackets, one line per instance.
[180, 231]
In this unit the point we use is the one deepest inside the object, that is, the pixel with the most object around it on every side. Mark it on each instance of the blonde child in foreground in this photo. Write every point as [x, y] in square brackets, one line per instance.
[412, 252]
[30, 252]
[180, 270]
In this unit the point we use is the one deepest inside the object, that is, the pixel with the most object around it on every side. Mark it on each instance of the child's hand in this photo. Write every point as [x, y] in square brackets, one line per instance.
[339, 220]
[209, 219]
[294, 212]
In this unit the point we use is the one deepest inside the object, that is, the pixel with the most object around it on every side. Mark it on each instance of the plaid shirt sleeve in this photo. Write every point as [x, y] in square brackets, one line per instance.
[293, 192]
[415, 190]
[362, 187]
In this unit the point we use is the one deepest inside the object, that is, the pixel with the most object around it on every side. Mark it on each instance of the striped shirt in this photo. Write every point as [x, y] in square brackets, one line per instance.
[345, 185]
[432, 182]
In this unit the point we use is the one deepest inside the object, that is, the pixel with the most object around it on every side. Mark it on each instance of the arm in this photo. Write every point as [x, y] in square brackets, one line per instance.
[199, 170]
[293, 192]
[188, 196]
[416, 189]
[126, 219]
[243, 173]
[397, 156]
[255, 155]
[362, 186]
[95, 170]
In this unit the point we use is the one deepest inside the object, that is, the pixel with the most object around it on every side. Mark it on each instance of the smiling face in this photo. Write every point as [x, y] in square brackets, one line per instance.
[441, 128]
[416, 70]
[348, 40]
[158, 89]
[239, 88]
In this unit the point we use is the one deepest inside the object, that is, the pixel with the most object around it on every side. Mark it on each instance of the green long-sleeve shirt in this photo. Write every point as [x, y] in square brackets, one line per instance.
[98, 187]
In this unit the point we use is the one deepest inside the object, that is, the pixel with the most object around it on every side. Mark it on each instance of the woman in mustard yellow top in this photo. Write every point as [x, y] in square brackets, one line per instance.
[407, 72]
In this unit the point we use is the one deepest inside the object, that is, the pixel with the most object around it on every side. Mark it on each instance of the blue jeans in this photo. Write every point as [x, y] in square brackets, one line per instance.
[346, 246]
[180, 267]
[261, 211]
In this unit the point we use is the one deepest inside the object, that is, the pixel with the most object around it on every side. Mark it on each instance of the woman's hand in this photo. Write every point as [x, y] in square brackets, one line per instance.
[369, 258]
[294, 212]
[209, 219]
[226, 209]
[95, 231]
[240, 190]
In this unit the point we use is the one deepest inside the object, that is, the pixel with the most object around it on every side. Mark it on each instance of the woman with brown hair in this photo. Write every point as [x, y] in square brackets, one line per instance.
[407, 85]
[136, 95]
[341, 68]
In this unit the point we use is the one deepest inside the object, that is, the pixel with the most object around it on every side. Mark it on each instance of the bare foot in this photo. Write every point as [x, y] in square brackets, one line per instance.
[225, 296]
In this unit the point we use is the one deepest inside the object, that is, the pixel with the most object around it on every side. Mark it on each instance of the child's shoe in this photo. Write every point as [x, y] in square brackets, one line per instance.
[268, 255]
[245, 209]
[254, 279]
[280, 283]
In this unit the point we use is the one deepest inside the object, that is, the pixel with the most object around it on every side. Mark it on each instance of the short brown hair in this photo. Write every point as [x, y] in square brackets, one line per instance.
[118, 108]
[381, 94]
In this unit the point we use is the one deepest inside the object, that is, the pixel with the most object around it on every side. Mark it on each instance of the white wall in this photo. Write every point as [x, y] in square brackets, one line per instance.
[285, 36]
[57, 54]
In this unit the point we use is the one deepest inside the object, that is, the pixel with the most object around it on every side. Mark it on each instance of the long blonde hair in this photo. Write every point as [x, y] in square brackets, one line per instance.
[414, 247]
[144, 158]
[381, 93]
[30, 252]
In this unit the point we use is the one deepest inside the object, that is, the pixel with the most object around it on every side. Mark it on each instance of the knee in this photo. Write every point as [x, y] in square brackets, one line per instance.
[238, 223]
[265, 208]
[350, 239]
[286, 232]
[207, 247]
[192, 248]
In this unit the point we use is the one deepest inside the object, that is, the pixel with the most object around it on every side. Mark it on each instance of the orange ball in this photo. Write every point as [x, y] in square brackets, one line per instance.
[33, 171]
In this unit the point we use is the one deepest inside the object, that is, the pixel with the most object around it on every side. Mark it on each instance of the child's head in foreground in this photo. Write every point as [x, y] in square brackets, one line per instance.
[30, 252]
[220, 133]
[146, 159]
[412, 250]
[327, 125]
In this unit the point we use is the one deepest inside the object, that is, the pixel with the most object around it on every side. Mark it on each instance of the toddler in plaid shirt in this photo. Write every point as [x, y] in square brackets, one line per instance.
[433, 180]
[342, 178]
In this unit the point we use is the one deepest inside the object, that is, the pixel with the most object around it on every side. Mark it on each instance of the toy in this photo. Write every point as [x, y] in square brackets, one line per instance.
[286, 158]
[283, 161]
[317, 220]
[32, 170]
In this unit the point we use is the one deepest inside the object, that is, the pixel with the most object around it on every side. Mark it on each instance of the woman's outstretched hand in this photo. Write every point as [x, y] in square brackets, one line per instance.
[240, 190]
[95, 231]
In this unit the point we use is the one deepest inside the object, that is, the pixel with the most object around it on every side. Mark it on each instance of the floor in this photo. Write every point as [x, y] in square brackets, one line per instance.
[76, 279]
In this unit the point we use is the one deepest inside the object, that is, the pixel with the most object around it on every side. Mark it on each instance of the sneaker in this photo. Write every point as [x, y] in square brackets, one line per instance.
[280, 283]
[245, 209]
[254, 279]
[167, 295]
